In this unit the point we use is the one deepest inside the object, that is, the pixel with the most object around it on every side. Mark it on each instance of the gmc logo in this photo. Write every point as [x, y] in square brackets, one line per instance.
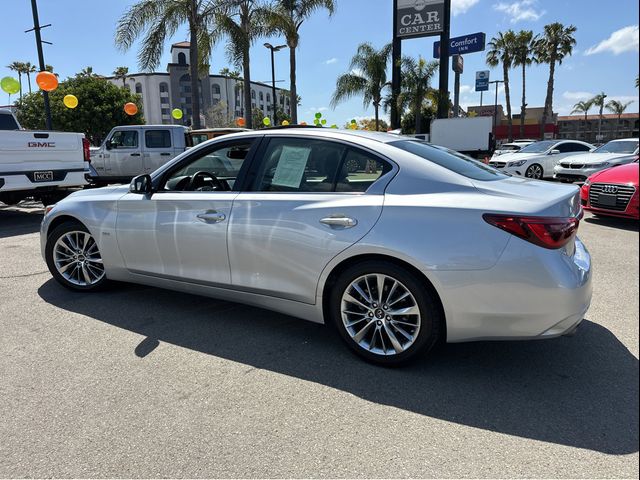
[41, 144]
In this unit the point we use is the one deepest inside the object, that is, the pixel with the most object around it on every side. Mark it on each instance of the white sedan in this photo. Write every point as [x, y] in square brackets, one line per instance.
[539, 159]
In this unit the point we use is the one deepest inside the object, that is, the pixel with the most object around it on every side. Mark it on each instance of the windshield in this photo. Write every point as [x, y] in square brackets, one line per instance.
[451, 160]
[538, 147]
[509, 146]
[628, 146]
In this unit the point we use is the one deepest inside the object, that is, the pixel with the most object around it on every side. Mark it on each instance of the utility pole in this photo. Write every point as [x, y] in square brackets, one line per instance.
[36, 28]
[443, 86]
[495, 107]
[273, 76]
[396, 71]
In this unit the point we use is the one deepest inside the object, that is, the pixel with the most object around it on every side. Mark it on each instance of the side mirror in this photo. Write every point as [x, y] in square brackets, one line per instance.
[554, 152]
[141, 184]
[108, 145]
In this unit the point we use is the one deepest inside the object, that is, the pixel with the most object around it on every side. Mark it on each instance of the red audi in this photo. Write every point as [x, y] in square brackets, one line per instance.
[613, 192]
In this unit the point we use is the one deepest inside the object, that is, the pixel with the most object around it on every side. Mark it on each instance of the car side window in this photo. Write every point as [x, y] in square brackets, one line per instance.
[211, 169]
[157, 139]
[124, 139]
[359, 170]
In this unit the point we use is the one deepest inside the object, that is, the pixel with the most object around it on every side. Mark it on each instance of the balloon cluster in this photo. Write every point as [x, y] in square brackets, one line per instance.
[353, 125]
[319, 121]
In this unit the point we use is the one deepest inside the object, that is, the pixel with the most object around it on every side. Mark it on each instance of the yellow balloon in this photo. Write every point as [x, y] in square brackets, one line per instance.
[176, 113]
[285, 122]
[70, 101]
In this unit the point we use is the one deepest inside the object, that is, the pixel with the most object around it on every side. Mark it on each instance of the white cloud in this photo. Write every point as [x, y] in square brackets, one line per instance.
[523, 10]
[620, 41]
[575, 97]
[331, 61]
[578, 96]
[461, 6]
[466, 89]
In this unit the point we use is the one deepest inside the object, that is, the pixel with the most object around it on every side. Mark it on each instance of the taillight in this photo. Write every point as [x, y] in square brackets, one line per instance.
[86, 150]
[547, 232]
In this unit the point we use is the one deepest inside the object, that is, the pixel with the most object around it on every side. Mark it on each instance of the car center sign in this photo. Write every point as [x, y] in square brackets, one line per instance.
[471, 43]
[419, 18]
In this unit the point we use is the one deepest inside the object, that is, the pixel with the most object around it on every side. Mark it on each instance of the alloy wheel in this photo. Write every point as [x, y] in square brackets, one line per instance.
[380, 314]
[77, 258]
[534, 171]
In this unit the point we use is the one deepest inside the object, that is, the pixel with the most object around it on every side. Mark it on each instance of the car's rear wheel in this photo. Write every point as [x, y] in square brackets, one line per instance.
[534, 171]
[384, 313]
[74, 259]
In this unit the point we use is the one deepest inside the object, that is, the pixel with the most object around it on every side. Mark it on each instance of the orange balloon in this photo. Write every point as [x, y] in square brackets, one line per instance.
[47, 81]
[303, 123]
[130, 108]
[240, 122]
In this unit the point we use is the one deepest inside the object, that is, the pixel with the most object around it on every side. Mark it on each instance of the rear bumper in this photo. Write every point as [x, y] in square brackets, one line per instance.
[531, 293]
[24, 181]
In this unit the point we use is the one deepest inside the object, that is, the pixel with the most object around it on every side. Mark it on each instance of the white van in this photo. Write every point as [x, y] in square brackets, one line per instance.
[132, 150]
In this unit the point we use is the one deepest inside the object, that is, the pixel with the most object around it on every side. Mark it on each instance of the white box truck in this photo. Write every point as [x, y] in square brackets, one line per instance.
[472, 135]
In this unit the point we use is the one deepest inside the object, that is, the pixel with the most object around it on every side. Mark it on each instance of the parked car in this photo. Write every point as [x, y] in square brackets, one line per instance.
[613, 191]
[510, 147]
[204, 134]
[580, 167]
[538, 159]
[131, 150]
[433, 246]
[42, 165]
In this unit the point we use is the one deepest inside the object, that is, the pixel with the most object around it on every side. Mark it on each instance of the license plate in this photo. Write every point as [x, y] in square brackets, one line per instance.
[607, 200]
[43, 176]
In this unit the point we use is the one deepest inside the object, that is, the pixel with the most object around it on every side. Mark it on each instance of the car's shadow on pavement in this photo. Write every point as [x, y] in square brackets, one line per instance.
[17, 222]
[614, 222]
[580, 391]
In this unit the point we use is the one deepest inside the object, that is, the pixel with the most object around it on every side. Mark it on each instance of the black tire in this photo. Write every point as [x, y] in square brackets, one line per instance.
[529, 173]
[431, 317]
[52, 238]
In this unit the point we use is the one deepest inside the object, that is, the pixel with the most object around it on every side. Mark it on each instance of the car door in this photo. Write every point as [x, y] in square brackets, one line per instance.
[125, 153]
[565, 149]
[180, 231]
[158, 148]
[303, 208]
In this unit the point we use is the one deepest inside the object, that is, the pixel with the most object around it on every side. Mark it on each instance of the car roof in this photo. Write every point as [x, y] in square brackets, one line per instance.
[329, 133]
[126, 127]
[624, 140]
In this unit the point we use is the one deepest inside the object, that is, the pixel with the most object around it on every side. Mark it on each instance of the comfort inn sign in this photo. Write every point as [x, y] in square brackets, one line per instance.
[419, 18]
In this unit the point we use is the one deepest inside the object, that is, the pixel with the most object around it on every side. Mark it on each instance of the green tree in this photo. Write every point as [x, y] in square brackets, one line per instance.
[29, 68]
[19, 68]
[582, 107]
[501, 52]
[257, 116]
[241, 22]
[100, 108]
[286, 18]
[427, 113]
[367, 77]
[556, 43]
[158, 20]
[416, 77]
[523, 56]
[617, 108]
[120, 73]
[598, 101]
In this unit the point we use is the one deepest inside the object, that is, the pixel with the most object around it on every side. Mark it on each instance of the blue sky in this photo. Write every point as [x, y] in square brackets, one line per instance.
[606, 56]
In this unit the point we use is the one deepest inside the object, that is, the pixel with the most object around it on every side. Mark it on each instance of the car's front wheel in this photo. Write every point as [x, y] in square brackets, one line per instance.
[534, 171]
[385, 313]
[74, 259]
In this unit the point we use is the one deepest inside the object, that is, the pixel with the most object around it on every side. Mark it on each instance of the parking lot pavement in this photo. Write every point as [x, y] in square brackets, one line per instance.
[141, 382]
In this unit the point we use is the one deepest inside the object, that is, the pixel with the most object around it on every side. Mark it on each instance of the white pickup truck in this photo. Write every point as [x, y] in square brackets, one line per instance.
[132, 150]
[43, 165]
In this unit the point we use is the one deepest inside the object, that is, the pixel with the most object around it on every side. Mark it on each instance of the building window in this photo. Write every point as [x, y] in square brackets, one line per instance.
[182, 59]
[215, 101]
[164, 111]
[164, 87]
[268, 97]
[139, 88]
[261, 97]
[215, 89]
[253, 94]
[164, 100]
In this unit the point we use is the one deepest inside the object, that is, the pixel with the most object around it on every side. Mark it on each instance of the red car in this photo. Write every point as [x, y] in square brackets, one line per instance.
[613, 191]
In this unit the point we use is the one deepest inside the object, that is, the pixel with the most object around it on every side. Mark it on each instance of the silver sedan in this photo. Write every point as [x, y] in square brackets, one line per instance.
[396, 243]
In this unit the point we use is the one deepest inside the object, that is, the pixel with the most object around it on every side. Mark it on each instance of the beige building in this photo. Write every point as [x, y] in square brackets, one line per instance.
[578, 128]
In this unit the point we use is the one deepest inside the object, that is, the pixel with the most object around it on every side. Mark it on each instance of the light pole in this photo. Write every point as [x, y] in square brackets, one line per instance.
[36, 28]
[273, 75]
[495, 108]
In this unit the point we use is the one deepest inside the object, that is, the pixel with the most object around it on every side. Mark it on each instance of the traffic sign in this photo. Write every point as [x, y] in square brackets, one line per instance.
[460, 45]
[482, 81]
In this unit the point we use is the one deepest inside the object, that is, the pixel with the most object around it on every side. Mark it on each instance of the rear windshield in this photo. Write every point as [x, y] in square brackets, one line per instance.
[509, 147]
[451, 160]
[7, 122]
[628, 146]
[539, 147]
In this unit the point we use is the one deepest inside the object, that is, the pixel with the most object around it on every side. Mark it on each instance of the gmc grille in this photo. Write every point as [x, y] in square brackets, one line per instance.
[623, 196]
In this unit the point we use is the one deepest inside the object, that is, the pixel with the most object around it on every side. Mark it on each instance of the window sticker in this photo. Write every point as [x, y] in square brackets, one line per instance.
[291, 166]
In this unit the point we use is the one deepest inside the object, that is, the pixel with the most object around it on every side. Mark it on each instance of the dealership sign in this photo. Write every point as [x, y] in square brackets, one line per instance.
[482, 81]
[460, 45]
[419, 18]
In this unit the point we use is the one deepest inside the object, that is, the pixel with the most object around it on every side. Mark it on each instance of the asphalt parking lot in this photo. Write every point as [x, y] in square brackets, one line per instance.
[141, 382]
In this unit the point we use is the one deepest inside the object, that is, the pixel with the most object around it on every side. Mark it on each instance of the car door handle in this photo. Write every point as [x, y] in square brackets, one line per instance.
[135, 154]
[211, 217]
[339, 221]
[165, 154]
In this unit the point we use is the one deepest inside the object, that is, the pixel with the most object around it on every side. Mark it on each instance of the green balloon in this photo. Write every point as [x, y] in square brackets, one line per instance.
[353, 122]
[176, 113]
[266, 121]
[323, 121]
[316, 121]
[318, 115]
[10, 85]
[334, 126]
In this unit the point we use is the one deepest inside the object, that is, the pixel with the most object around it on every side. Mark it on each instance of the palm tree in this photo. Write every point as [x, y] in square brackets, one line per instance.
[523, 57]
[368, 77]
[598, 101]
[556, 43]
[416, 76]
[159, 20]
[121, 73]
[29, 68]
[617, 108]
[241, 22]
[286, 18]
[583, 107]
[19, 68]
[87, 72]
[501, 51]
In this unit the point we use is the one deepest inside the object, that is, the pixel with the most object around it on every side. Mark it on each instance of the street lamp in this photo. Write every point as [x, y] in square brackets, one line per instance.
[273, 75]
